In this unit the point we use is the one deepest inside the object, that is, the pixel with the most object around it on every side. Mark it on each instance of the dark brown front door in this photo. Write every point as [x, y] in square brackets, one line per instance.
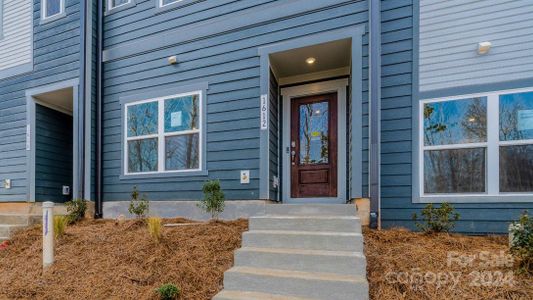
[314, 146]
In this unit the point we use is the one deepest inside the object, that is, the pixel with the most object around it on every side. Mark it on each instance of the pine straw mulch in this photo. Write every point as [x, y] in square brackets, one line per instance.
[394, 256]
[105, 260]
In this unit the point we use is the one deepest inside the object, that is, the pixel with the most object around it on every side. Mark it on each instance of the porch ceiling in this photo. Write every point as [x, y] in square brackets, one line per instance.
[332, 55]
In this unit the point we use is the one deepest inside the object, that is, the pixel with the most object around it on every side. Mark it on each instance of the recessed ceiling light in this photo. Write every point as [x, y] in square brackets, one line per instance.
[310, 60]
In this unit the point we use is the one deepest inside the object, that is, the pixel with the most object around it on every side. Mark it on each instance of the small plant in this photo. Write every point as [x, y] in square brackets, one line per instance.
[76, 210]
[437, 219]
[138, 207]
[213, 202]
[154, 228]
[522, 243]
[168, 292]
[60, 224]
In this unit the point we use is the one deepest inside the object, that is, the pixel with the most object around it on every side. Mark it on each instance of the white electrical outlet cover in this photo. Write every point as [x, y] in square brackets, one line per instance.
[245, 177]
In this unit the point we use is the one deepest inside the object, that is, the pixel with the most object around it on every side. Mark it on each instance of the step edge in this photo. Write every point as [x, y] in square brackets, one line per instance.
[298, 251]
[280, 273]
[248, 294]
[299, 232]
[299, 217]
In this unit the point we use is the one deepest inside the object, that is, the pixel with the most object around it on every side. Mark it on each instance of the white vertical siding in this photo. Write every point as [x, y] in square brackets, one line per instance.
[450, 31]
[16, 47]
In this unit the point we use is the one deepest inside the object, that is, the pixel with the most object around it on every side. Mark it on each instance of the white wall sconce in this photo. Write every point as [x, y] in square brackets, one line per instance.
[172, 60]
[483, 48]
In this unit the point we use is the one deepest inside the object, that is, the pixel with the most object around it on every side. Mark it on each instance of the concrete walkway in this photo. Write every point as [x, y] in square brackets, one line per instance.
[300, 252]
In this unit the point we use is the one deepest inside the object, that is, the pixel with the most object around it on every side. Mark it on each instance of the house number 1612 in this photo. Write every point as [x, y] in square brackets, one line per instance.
[264, 112]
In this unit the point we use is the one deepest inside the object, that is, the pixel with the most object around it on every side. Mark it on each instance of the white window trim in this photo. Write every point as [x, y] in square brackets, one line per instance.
[110, 4]
[161, 134]
[61, 12]
[161, 5]
[492, 168]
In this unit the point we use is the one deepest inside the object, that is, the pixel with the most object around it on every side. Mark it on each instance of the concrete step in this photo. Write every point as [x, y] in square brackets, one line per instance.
[331, 241]
[337, 262]
[306, 223]
[243, 295]
[297, 284]
[7, 230]
[311, 209]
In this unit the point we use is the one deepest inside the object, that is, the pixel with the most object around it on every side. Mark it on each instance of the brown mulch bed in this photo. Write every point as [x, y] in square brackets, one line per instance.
[407, 265]
[107, 260]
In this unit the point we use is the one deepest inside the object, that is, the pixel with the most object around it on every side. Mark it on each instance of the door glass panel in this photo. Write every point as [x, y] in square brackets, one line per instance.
[313, 132]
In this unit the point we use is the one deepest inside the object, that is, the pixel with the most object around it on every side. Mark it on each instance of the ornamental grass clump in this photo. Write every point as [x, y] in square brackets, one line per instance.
[522, 243]
[437, 219]
[60, 224]
[154, 228]
[213, 202]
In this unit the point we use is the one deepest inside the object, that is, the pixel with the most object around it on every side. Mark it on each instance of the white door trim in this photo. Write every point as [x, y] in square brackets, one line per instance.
[288, 94]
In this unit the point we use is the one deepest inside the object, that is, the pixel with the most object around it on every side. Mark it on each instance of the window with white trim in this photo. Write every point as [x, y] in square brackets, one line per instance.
[163, 135]
[52, 8]
[163, 3]
[477, 145]
[116, 3]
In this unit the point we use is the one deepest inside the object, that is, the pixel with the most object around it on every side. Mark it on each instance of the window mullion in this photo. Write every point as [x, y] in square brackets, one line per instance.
[493, 127]
[161, 137]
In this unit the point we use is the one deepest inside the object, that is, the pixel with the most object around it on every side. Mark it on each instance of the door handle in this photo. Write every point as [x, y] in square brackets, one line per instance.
[293, 155]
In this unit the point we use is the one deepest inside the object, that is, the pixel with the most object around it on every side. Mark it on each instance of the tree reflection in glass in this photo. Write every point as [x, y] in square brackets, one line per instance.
[182, 151]
[450, 123]
[516, 124]
[142, 121]
[314, 135]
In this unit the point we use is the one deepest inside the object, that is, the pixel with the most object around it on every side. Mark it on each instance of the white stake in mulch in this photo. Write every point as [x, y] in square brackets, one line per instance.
[48, 234]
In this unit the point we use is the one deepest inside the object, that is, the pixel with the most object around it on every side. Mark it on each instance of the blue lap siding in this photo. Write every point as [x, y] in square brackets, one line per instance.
[227, 60]
[56, 59]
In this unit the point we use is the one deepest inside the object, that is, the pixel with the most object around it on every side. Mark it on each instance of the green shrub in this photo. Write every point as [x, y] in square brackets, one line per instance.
[168, 292]
[138, 207]
[76, 210]
[60, 224]
[437, 219]
[522, 242]
[154, 228]
[213, 202]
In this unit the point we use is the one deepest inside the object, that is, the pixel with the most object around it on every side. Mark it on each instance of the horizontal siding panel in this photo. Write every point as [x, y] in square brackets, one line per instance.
[16, 45]
[449, 34]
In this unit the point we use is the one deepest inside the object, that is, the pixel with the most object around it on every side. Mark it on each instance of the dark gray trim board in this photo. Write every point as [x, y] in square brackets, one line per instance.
[355, 34]
[157, 93]
[17, 70]
[374, 171]
[475, 89]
